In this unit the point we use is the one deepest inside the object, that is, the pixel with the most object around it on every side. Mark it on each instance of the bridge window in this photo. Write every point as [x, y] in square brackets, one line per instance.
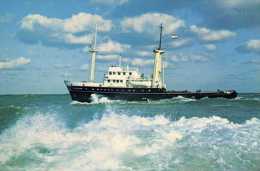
[114, 81]
[110, 73]
[130, 73]
[114, 73]
[123, 73]
[121, 81]
[108, 81]
[117, 81]
[119, 73]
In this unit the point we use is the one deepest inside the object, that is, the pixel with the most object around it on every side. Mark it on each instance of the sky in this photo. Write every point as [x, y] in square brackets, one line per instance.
[43, 43]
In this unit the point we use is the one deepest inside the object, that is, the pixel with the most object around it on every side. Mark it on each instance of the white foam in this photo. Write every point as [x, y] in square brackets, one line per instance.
[183, 99]
[96, 99]
[111, 142]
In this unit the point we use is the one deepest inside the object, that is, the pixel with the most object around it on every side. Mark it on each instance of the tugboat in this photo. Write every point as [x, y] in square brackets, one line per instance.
[123, 83]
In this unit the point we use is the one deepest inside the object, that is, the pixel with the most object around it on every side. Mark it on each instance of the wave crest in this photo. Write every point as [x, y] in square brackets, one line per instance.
[122, 142]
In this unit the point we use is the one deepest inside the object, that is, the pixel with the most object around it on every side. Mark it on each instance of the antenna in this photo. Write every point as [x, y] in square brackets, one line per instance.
[120, 60]
[160, 43]
[93, 51]
[95, 38]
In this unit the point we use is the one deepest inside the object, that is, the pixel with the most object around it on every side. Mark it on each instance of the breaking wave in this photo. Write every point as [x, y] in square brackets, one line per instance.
[98, 99]
[121, 142]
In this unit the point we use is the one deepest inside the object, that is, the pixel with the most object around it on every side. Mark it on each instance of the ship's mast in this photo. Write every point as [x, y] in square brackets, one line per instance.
[93, 52]
[157, 70]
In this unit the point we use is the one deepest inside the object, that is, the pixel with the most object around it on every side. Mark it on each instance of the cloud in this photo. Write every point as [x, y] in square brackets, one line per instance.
[108, 58]
[250, 46]
[72, 32]
[253, 61]
[149, 23]
[141, 62]
[189, 57]
[62, 66]
[10, 64]
[209, 35]
[112, 47]
[230, 14]
[181, 43]
[109, 2]
[77, 40]
[143, 53]
[210, 47]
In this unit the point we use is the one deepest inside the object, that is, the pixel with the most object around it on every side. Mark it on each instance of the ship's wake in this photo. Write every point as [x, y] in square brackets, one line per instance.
[122, 142]
[99, 99]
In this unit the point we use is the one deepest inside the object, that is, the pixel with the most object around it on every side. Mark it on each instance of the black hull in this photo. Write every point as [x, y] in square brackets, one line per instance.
[83, 93]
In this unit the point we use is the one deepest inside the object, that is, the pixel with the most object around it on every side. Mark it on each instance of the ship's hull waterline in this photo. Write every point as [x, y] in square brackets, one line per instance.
[84, 93]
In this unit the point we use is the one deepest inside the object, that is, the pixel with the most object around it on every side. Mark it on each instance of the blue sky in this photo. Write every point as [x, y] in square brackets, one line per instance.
[44, 42]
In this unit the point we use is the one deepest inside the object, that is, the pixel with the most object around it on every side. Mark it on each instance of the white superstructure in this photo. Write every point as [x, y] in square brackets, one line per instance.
[118, 76]
[158, 79]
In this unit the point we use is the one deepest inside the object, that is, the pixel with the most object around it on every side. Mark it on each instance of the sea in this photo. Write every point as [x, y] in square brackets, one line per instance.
[53, 133]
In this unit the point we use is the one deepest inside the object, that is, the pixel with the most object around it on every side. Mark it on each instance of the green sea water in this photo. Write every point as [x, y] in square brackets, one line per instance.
[52, 133]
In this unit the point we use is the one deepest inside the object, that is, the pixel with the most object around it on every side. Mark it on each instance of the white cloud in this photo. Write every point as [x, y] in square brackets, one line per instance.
[238, 3]
[149, 23]
[83, 22]
[55, 31]
[208, 35]
[83, 40]
[9, 64]
[80, 22]
[253, 45]
[108, 57]
[181, 42]
[109, 2]
[112, 47]
[210, 47]
[144, 53]
[189, 57]
[61, 66]
[253, 61]
[141, 62]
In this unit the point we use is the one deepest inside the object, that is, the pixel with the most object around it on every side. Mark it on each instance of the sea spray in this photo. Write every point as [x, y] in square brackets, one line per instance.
[121, 142]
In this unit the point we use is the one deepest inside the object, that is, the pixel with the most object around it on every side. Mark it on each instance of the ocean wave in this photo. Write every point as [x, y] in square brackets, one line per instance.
[96, 99]
[122, 142]
[247, 98]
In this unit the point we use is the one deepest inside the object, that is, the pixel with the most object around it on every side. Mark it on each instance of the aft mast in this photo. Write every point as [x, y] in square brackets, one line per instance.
[157, 70]
[93, 52]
